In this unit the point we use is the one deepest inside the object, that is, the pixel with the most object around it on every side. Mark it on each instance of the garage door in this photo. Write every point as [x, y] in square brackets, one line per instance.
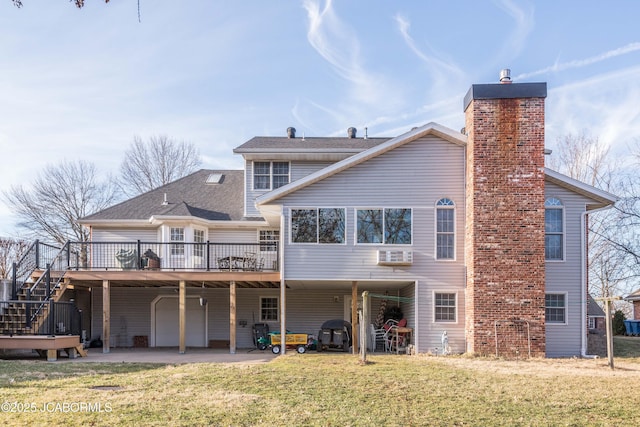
[167, 332]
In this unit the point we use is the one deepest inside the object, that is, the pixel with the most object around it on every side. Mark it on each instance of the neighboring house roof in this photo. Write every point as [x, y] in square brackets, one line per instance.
[189, 196]
[428, 129]
[634, 296]
[601, 198]
[593, 309]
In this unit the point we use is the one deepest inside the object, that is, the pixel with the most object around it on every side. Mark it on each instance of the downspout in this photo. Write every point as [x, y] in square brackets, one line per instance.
[583, 273]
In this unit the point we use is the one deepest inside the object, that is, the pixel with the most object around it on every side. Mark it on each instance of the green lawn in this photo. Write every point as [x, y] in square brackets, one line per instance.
[327, 389]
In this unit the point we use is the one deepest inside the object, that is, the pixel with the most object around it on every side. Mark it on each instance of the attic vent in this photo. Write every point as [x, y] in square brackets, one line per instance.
[351, 132]
[214, 178]
[291, 132]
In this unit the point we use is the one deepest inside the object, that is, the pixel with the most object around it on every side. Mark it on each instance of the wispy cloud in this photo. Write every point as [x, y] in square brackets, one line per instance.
[435, 65]
[578, 63]
[339, 46]
[523, 25]
[605, 106]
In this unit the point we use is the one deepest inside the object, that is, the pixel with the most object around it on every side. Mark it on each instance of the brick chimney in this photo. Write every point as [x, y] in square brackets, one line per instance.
[504, 241]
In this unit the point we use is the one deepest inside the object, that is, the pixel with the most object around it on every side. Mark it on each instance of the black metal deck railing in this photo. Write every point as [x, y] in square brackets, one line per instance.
[36, 318]
[140, 255]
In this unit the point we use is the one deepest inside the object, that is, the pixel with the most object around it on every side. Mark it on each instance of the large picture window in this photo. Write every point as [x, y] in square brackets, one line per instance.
[270, 175]
[445, 230]
[555, 307]
[321, 225]
[554, 229]
[388, 226]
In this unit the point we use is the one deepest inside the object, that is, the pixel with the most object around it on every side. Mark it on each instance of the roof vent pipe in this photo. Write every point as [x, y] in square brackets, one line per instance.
[351, 132]
[291, 132]
[165, 202]
[505, 75]
[366, 133]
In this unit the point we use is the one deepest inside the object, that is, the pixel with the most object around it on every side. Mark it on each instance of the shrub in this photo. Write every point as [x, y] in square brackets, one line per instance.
[618, 323]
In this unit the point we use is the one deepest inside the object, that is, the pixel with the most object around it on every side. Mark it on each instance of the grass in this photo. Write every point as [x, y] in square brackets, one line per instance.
[330, 389]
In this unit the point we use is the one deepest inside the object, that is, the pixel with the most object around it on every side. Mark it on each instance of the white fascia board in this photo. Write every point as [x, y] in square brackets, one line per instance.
[116, 223]
[428, 129]
[603, 198]
[161, 219]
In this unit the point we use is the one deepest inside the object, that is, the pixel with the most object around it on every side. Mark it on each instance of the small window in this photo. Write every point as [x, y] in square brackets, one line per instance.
[554, 230]
[270, 175]
[176, 234]
[269, 240]
[445, 307]
[555, 307]
[445, 229]
[269, 309]
[199, 240]
[592, 323]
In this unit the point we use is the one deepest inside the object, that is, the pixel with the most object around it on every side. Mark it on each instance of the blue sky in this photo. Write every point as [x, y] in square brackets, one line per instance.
[79, 84]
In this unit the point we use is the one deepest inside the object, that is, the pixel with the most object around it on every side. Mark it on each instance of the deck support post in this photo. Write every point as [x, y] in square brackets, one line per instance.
[106, 316]
[232, 317]
[354, 317]
[182, 315]
[283, 317]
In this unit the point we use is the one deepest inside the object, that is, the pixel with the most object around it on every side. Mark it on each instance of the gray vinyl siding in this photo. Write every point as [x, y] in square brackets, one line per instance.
[297, 170]
[415, 176]
[566, 276]
[124, 235]
[233, 236]
[307, 310]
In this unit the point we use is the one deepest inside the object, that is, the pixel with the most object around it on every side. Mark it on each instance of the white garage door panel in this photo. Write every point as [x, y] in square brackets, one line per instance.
[167, 332]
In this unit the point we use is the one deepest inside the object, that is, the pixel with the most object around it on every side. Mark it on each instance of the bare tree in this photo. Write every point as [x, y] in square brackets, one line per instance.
[10, 251]
[59, 197]
[611, 268]
[158, 161]
[582, 157]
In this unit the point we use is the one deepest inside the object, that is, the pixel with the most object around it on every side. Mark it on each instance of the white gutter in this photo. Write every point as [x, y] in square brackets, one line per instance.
[583, 272]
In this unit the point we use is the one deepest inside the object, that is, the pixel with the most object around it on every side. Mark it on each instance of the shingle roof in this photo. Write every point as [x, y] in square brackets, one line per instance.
[269, 143]
[189, 196]
[593, 309]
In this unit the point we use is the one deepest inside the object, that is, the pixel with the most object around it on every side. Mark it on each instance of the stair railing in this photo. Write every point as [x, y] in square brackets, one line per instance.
[59, 264]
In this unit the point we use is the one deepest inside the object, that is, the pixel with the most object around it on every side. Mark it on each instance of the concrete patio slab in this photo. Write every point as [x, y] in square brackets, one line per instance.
[159, 355]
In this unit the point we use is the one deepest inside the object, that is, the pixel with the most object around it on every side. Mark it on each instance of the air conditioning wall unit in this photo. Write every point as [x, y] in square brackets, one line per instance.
[395, 257]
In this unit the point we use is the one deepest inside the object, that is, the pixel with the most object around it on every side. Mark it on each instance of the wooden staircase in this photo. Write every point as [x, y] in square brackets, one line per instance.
[13, 317]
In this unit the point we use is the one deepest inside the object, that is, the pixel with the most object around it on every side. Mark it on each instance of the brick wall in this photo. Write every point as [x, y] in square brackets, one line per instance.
[504, 242]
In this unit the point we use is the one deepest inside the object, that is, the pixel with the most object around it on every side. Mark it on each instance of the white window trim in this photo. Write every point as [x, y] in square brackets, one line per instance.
[435, 228]
[277, 298]
[317, 242]
[271, 162]
[566, 309]
[564, 229]
[177, 242]
[383, 244]
[433, 306]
